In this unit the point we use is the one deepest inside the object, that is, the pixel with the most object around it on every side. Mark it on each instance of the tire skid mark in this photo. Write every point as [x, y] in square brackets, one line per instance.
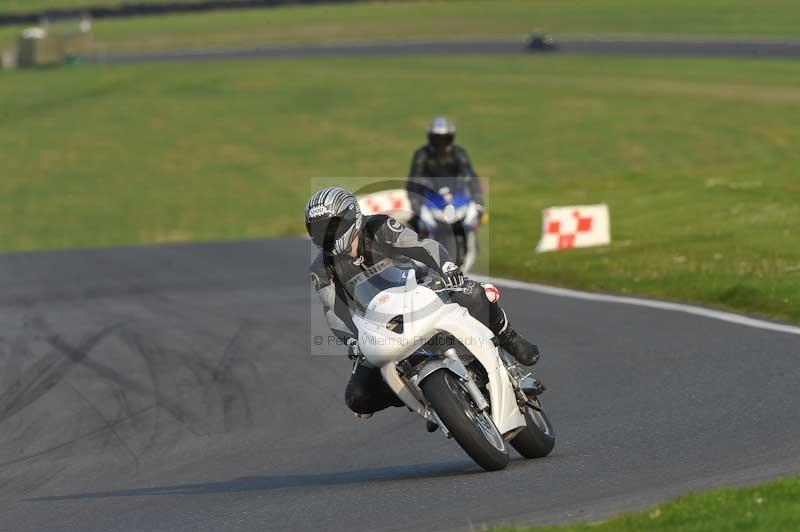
[88, 435]
[108, 425]
[12, 353]
[151, 354]
[215, 383]
[172, 407]
[199, 388]
[193, 324]
[27, 483]
[48, 372]
[125, 408]
[231, 390]
[218, 384]
[224, 386]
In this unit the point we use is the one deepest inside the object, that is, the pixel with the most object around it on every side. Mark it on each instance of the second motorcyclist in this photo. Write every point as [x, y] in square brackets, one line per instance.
[437, 164]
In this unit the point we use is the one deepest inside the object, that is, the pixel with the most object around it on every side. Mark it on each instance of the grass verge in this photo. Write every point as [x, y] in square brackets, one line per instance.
[443, 19]
[769, 507]
[696, 158]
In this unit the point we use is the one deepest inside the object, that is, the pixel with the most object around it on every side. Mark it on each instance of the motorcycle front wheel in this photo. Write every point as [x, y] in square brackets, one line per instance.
[454, 244]
[473, 429]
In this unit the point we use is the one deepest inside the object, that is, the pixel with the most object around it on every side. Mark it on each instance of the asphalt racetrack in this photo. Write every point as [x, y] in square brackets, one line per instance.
[172, 388]
[687, 47]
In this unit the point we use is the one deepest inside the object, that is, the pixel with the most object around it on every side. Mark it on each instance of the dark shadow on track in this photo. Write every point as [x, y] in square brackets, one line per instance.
[269, 483]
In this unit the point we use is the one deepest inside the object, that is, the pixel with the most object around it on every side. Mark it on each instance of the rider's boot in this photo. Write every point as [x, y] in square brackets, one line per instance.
[518, 346]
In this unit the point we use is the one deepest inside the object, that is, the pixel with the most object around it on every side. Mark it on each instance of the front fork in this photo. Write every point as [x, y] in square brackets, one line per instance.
[526, 388]
[453, 364]
[474, 392]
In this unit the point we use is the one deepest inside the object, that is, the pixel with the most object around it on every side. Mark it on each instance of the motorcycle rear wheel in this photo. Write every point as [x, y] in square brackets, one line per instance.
[538, 438]
[474, 430]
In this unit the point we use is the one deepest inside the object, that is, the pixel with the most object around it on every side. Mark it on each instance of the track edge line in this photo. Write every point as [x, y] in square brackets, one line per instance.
[685, 308]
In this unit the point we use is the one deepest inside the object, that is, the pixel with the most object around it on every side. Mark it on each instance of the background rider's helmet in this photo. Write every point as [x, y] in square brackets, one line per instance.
[441, 132]
[333, 219]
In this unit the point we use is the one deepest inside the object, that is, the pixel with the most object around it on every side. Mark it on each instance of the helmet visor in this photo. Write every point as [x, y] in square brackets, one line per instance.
[440, 141]
[326, 231]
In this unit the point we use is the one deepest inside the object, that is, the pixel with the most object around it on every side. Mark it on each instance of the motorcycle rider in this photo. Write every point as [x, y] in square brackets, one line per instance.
[436, 161]
[349, 243]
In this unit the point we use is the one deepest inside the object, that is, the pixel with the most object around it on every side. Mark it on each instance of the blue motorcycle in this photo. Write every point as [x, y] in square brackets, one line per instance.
[451, 217]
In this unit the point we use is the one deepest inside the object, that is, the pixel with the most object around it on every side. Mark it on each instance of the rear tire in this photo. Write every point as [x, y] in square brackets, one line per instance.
[473, 430]
[537, 439]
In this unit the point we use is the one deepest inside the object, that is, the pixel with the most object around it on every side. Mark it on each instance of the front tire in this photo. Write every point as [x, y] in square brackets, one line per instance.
[449, 239]
[538, 438]
[473, 430]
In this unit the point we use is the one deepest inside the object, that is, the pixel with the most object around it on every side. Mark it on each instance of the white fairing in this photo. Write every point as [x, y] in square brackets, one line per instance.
[424, 315]
[471, 215]
[466, 214]
[428, 216]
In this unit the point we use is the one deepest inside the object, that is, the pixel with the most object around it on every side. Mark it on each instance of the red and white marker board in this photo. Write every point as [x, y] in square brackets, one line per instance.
[576, 226]
[392, 202]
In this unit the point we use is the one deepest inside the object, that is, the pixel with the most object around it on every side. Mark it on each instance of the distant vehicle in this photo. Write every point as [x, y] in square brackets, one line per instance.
[541, 42]
[457, 380]
[452, 217]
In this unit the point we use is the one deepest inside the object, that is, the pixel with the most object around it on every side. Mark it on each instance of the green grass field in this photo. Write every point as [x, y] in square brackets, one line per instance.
[698, 159]
[444, 19]
[770, 507]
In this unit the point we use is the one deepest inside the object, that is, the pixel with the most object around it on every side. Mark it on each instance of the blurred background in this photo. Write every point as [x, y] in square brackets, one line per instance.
[104, 143]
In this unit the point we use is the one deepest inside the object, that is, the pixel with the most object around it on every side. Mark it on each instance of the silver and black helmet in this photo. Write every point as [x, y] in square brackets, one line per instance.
[441, 131]
[333, 219]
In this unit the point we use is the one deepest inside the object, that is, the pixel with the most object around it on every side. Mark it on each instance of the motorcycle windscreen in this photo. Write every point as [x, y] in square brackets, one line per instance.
[370, 284]
[449, 191]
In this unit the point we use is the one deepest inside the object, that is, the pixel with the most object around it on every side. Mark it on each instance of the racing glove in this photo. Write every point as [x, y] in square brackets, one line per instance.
[453, 276]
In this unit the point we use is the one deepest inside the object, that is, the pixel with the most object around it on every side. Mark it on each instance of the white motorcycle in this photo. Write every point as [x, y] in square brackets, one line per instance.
[442, 363]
